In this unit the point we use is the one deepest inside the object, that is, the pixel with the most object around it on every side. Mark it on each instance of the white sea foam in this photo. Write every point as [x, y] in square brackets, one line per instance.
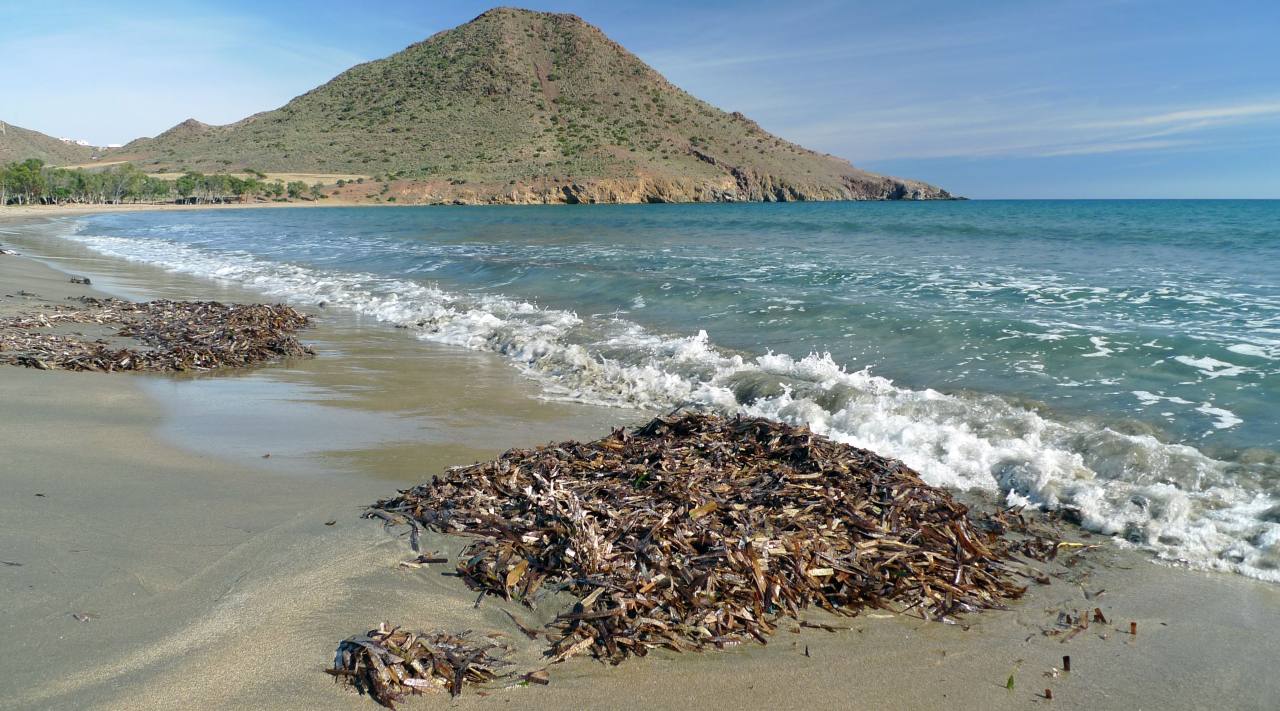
[1100, 348]
[1169, 498]
[1150, 398]
[1249, 349]
[1212, 367]
[1224, 418]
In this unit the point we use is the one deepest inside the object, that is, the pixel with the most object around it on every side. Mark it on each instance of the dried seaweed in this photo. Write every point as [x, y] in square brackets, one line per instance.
[172, 336]
[697, 531]
[389, 663]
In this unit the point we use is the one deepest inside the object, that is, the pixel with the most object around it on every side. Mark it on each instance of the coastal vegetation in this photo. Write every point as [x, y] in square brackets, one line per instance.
[31, 182]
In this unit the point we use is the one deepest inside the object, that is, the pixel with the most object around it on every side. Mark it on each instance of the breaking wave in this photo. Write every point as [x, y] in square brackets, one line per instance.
[1171, 499]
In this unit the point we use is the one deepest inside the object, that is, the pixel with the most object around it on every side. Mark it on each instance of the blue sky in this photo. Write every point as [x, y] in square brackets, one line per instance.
[1108, 98]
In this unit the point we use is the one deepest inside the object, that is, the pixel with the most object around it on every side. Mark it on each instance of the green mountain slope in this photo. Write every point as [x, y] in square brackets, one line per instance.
[18, 144]
[520, 106]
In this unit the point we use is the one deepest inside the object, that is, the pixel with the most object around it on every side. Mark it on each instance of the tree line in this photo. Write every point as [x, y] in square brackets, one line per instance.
[31, 182]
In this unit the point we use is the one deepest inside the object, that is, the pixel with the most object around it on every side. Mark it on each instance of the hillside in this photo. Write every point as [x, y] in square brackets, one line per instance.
[21, 143]
[519, 106]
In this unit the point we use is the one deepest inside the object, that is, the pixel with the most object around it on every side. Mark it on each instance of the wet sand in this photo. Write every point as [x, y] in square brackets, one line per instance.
[212, 577]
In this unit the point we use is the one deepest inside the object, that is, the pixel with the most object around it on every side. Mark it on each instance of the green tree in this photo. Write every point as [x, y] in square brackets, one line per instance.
[246, 188]
[188, 184]
[87, 187]
[296, 188]
[31, 181]
[156, 188]
[123, 181]
[317, 191]
[28, 181]
[217, 187]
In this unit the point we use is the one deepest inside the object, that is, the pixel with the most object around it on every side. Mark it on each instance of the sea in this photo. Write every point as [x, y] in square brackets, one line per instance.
[1118, 360]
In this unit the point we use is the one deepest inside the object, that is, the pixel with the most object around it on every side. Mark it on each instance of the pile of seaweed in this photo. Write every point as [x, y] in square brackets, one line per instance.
[390, 663]
[698, 531]
[172, 335]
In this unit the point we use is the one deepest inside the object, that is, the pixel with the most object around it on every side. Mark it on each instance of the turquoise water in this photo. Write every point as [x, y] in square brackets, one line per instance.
[1117, 357]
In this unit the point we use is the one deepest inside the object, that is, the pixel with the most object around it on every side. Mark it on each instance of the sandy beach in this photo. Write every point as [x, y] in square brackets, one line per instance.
[155, 557]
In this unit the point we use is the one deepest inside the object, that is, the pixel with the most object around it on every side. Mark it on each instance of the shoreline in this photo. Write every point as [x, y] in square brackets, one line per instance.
[162, 467]
[28, 212]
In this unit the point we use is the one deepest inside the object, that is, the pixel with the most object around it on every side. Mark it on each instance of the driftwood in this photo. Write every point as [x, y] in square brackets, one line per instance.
[390, 663]
[698, 531]
[171, 336]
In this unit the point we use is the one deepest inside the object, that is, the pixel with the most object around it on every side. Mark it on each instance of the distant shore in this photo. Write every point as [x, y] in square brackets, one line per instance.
[209, 576]
[19, 212]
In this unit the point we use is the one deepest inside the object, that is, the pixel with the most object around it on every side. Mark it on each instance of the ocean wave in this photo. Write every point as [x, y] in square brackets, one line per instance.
[1171, 499]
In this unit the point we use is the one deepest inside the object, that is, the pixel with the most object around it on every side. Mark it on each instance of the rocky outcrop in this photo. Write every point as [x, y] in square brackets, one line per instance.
[736, 186]
[754, 186]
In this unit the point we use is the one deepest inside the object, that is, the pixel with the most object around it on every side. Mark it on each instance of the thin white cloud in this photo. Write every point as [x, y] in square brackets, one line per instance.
[1198, 117]
[1005, 128]
[1112, 147]
[1000, 80]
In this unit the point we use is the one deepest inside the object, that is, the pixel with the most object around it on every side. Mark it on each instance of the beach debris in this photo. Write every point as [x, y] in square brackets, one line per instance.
[81, 280]
[82, 616]
[1098, 616]
[1048, 694]
[163, 336]
[538, 676]
[424, 560]
[7, 252]
[1071, 623]
[1133, 629]
[1066, 662]
[389, 663]
[696, 531]
[1009, 684]
[528, 631]
[823, 626]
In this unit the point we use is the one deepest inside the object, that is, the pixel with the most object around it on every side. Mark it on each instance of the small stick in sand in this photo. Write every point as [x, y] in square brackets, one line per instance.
[1066, 662]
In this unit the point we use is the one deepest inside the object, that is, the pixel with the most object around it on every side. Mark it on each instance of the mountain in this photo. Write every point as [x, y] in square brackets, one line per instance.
[18, 143]
[518, 106]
